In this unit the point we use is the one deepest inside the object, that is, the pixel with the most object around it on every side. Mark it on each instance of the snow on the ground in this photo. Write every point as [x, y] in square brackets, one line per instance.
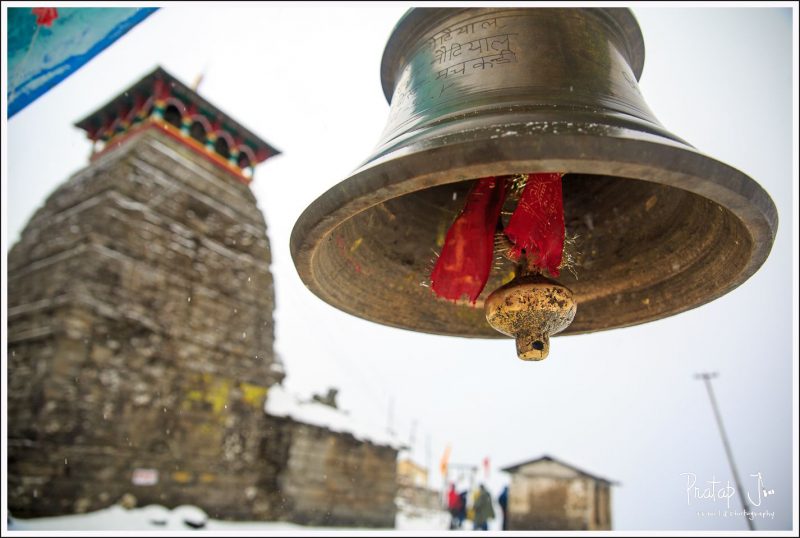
[187, 518]
[422, 520]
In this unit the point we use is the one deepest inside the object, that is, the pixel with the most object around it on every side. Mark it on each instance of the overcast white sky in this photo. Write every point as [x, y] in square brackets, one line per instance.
[623, 403]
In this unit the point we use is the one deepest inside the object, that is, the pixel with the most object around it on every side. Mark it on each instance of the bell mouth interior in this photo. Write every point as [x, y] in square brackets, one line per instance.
[642, 251]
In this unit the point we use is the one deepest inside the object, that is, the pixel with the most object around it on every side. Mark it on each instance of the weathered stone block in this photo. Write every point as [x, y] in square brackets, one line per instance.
[140, 296]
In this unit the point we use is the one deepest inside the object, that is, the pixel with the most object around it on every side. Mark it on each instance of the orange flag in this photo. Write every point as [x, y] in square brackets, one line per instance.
[444, 461]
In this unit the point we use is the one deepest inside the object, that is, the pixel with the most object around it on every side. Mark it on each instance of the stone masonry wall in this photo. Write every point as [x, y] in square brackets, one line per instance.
[140, 335]
[332, 479]
[556, 503]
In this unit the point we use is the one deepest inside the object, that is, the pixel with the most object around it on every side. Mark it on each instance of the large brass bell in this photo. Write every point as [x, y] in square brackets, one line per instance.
[479, 92]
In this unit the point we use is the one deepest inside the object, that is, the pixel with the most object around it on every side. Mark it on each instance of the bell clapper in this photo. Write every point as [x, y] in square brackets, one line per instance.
[530, 308]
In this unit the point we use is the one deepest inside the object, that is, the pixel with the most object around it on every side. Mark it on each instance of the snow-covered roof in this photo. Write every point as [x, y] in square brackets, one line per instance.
[281, 403]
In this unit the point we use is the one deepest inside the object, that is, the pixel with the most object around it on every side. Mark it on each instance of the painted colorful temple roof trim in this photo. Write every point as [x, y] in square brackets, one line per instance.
[161, 101]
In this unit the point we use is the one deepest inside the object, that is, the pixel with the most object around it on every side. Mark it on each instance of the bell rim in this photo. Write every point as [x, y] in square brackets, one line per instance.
[629, 158]
[419, 19]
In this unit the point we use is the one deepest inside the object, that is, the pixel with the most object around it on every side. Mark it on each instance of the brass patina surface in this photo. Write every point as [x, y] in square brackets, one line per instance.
[660, 227]
[530, 309]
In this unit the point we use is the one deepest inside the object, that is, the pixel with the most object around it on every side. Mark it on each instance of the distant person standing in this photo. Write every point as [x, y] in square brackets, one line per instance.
[484, 511]
[462, 508]
[453, 506]
[502, 500]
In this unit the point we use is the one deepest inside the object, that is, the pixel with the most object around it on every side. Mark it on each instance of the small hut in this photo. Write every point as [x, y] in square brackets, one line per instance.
[413, 491]
[547, 494]
[338, 470]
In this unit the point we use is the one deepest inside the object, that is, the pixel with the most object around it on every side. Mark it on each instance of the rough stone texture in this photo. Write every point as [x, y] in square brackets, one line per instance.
[332, 479]
[140, 335]
[546, 495]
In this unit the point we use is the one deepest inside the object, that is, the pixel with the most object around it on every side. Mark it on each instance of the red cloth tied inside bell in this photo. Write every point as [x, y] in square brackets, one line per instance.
[537, 224]
[465, 262]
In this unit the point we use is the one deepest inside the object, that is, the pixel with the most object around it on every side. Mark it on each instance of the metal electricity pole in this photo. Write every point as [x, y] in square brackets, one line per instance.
[707, 377]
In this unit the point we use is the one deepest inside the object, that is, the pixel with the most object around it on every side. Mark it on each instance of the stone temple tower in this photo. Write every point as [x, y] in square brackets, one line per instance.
[140, 329]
